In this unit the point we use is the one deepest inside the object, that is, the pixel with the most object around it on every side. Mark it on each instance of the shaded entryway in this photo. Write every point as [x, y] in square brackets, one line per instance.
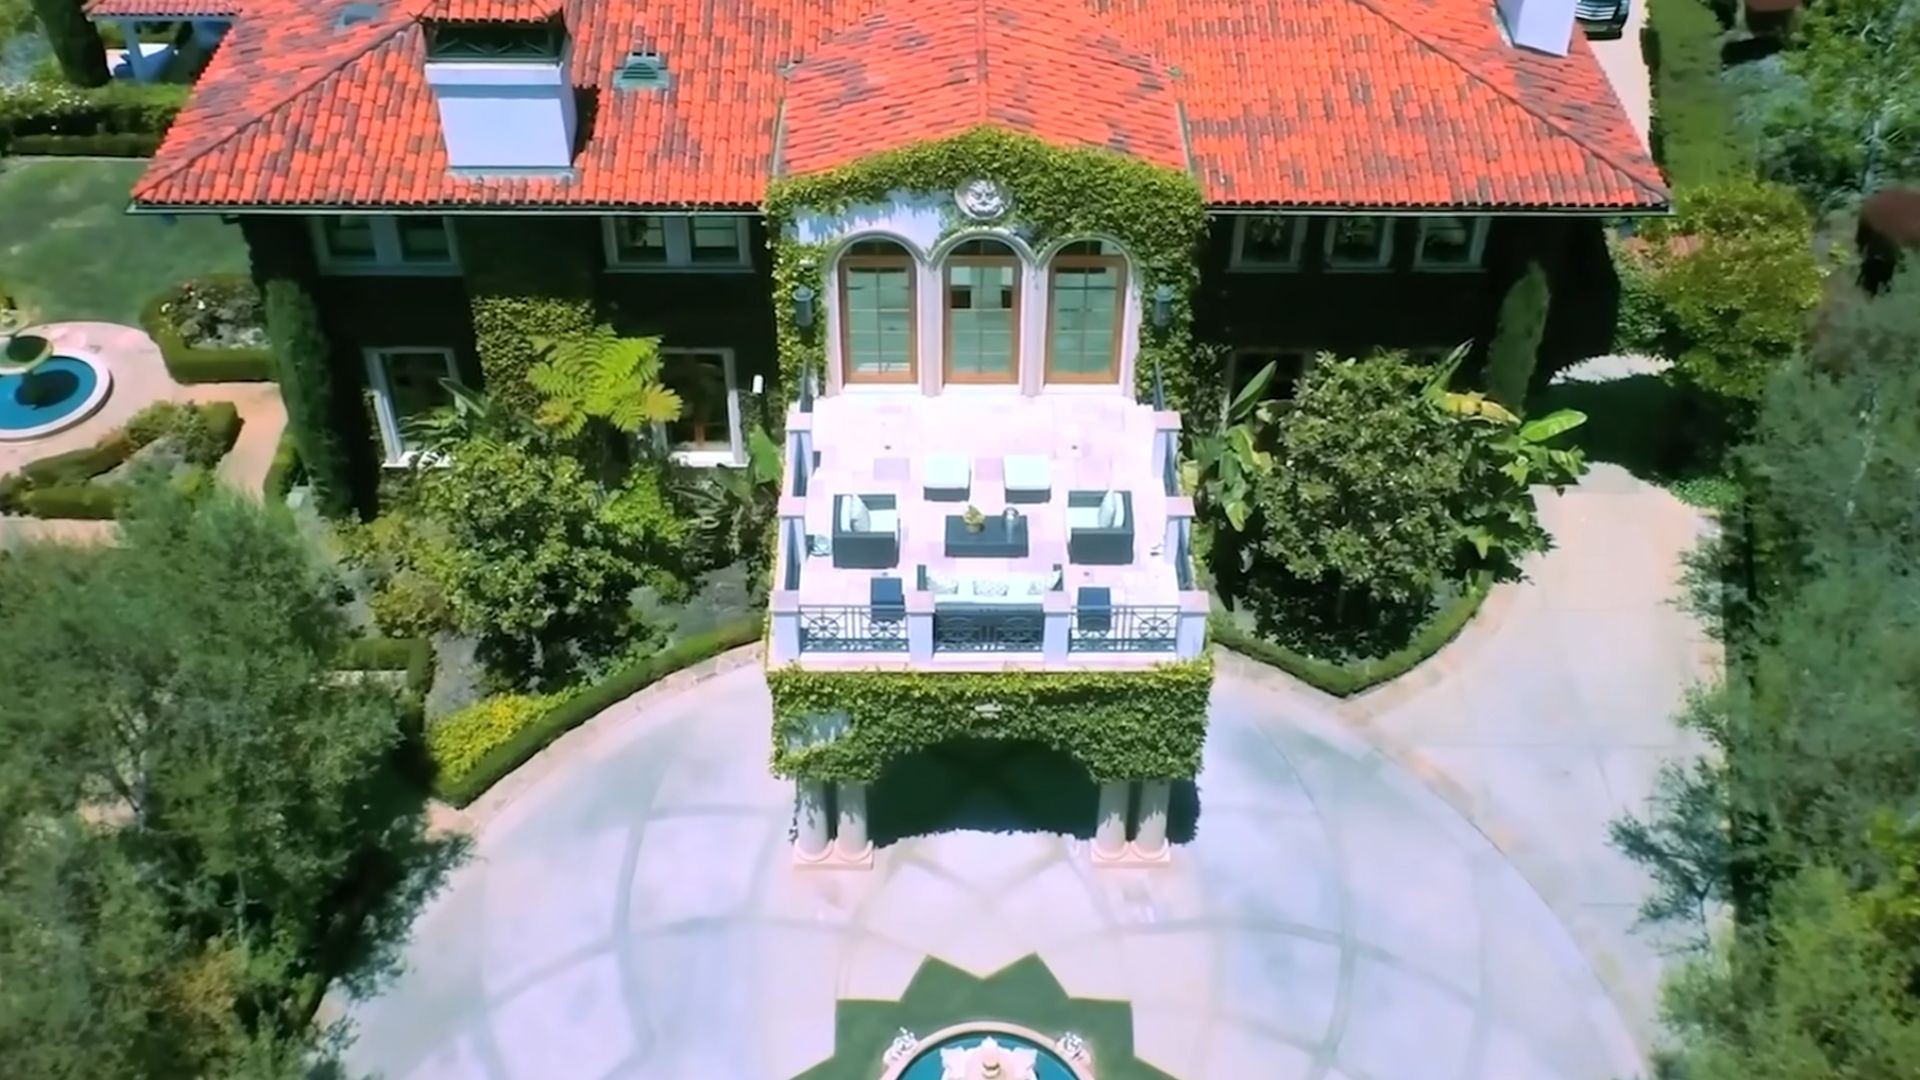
[985, 785]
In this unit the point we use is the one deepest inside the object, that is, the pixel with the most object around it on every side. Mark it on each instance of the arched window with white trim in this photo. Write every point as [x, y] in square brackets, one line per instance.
[877, 315]
[982, 313]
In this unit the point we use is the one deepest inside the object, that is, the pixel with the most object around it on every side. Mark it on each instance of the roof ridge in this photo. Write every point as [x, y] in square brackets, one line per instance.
[1553, 123]
[152, 179]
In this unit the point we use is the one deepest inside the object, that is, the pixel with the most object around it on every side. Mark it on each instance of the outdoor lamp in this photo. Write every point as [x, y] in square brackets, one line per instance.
[1162, 306]
[803, 306]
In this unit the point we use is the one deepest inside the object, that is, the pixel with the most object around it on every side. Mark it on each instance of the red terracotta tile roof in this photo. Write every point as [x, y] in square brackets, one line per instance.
[501, 11]
[164, 9]
[1363, 103]
[935, 68]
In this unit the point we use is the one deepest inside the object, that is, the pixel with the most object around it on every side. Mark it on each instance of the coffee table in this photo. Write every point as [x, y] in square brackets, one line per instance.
[994, 540]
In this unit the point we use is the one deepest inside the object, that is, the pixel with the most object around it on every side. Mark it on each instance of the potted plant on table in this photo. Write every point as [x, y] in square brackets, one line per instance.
[973, 518]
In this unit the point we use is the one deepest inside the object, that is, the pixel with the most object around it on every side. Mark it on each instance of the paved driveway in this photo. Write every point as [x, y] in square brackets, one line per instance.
[635, 913]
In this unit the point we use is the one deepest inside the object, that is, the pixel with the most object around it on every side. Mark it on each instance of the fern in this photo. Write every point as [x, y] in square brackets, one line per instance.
[599, 375]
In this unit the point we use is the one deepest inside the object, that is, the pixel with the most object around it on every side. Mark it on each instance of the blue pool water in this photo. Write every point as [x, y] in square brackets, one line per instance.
[64, 385]
[926, 1061]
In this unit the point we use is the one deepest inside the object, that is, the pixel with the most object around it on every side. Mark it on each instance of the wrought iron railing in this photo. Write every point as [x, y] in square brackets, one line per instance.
[852, 628]
[1124, 629]
[988, 629]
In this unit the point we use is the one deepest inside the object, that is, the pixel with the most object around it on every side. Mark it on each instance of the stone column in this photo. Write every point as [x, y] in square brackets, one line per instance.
[1150, 831]
[1110, 829]
[850, 841]
[810, 821]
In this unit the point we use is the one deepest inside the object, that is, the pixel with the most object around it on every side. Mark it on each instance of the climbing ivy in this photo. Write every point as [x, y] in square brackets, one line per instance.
[520, 294]
[1121, 725]
[1157, 214]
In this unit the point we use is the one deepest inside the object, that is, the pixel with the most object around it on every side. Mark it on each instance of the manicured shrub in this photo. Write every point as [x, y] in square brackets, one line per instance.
[1516, 339]
[411, 655]
[283, 471]
[122, 108]
[81, 501]
[58, 486]
[1693, 133]
[303, 363]
[518, 736]
[111, 144]
[1345, 680]
[202, 433]
[212, 329]
[75, 41]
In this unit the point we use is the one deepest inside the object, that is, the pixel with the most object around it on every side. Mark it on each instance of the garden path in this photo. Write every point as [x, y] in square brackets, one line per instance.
[1626, 66]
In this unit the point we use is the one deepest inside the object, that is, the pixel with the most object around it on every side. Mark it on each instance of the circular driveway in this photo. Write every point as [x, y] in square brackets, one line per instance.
[634, 912]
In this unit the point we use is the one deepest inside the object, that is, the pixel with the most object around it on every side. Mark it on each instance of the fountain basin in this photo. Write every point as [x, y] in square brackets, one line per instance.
[53, 395]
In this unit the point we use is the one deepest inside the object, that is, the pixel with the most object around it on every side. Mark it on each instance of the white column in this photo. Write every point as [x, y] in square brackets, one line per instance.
[1057, 610]
[810, 820]
[1110, 830]
[919, 626]
[785, 646]
[1150, 832]
[850, 837]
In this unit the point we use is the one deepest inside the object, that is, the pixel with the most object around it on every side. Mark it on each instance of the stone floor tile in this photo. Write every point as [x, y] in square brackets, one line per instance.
[1176, 966]
[1237, 1052]
[1091, 967]
[571, 1023]
[1171, 1038]
[917, 908]
[676, 877]
[982, 943]
[1282, 981]
[528, 925]
[876, 969]
[1058, 903]
[1400, 1024]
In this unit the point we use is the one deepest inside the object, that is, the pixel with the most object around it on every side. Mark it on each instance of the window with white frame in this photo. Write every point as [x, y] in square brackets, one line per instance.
[1267, 242]
[708, 430]
[408, 384]
[384, 244]
[1451, 243]
[676, 242]
[1359, 243]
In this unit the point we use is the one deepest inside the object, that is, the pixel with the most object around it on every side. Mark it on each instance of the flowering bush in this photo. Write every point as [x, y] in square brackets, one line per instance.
[217, 313]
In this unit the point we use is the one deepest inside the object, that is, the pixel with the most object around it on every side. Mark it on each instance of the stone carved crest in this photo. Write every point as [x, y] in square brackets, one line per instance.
[983, 199]
[988, 1061]
[903, 1045]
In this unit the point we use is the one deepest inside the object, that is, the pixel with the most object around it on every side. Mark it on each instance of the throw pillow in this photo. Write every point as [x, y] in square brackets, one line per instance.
[942, 586]
[860, 515]
[1113, 512]
[989, 588]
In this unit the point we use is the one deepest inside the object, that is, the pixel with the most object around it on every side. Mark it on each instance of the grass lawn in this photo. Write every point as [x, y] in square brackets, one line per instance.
[1645, 425]
[71, 252]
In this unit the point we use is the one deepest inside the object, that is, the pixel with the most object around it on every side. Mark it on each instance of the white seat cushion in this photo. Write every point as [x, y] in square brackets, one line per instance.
[1028, 472]
[859, 518]
[1082, 518]
[948, 472]
[1113, 511]
[886, 522]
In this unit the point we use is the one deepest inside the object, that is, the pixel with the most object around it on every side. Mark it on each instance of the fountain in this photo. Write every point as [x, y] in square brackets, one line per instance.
[986, 1051]
[42, 392]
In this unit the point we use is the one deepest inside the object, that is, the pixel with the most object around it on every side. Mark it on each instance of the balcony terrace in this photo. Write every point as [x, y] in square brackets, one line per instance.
[1081, 561]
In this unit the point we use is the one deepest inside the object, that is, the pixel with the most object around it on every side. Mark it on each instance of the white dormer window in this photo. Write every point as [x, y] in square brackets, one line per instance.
[1267, 242]
[381, 244]
[1451, 243]
[676, 242]
[1359, 243]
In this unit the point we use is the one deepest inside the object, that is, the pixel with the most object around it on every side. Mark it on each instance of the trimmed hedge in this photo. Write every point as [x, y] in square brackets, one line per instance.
[411, 655]
[57, 486]
[1692, 132]
[514, 745]
[121, 108]
[119, 144]
[189, 365]
[303, 366]
[283, 470]
[1346, 680]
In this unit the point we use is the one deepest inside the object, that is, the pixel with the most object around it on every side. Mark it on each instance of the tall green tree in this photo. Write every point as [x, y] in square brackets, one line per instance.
[1853, 124]
[1515, 349]
[303, 366]
[75, 40]
[202, 823]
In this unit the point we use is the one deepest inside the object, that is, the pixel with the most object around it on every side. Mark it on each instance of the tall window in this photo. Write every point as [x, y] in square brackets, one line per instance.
[408, 383]
[707, 431]
[983, 313]
[384, 244]
[1086, 284]
[876, 312]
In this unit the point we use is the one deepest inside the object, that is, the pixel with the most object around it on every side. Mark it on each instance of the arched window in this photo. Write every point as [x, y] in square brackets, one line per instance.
[1087, 282]
[877, 312]
[983, 313]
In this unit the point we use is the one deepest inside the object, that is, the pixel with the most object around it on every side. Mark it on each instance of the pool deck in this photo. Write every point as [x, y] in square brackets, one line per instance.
[140, 378]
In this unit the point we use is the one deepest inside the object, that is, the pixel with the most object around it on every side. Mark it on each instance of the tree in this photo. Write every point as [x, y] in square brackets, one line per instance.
[1226, 462]
[1854, 123]
[303, 366]
[198, 820]
[540, 560]
[1737, 280]
[1516, 339]
[598, 376]
[75, 40]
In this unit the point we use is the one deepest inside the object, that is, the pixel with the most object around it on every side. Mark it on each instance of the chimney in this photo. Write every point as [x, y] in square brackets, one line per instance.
[1541, 25]
[505, 95]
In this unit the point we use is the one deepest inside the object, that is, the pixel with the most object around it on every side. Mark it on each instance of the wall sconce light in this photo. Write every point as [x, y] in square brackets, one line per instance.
[1162, 306]
[803, 306]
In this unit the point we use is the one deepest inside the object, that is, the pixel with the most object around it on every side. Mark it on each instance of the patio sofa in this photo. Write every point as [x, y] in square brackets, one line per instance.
[866, 532]
[989, 612]
[1100, 528]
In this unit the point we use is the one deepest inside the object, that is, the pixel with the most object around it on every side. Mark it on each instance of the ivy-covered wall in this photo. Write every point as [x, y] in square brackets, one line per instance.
[526, 278]
[1121, 725]
[1157, 214]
